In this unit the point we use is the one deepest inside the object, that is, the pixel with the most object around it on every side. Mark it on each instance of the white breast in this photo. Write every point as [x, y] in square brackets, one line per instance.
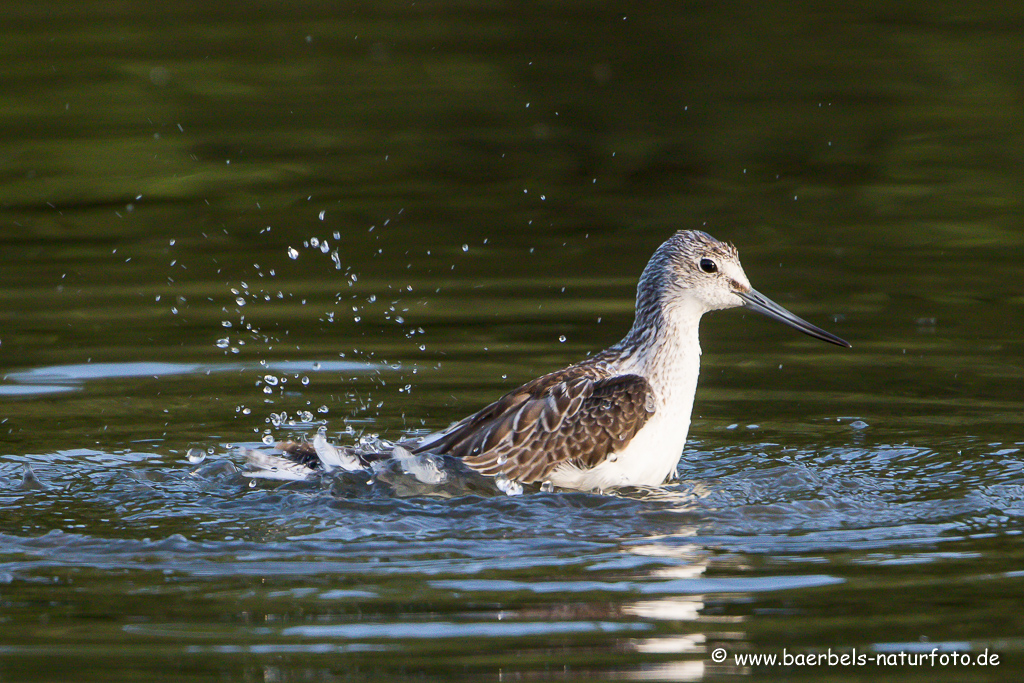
[653, 454]
[648, 460]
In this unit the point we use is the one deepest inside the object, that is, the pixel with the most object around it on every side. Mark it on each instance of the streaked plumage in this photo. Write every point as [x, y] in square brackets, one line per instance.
[621, 417]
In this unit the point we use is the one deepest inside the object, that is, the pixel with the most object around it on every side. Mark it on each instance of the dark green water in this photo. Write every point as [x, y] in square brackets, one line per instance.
[489, 180]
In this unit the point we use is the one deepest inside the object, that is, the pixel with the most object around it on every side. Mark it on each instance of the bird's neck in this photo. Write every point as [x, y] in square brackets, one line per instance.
[663, 347]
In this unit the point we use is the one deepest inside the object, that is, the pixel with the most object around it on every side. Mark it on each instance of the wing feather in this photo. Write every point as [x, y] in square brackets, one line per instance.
[571, 417]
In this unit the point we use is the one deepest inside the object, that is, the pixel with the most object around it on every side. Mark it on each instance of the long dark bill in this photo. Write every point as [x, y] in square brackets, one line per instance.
[756, 301]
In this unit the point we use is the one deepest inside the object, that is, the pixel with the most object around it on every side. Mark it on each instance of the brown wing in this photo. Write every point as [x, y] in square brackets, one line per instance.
[561, 418]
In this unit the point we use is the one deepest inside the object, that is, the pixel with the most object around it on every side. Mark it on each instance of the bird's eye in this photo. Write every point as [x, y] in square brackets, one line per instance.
[708, 266]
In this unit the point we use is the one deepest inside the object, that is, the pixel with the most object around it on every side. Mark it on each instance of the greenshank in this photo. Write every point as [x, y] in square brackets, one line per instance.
[619, 418]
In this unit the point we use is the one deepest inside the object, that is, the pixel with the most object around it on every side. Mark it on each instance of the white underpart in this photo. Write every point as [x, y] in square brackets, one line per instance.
[671, 366]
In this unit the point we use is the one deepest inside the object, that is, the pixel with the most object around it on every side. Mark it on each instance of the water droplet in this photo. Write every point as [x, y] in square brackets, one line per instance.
[561, 338]
[252, 483]
[502, 459]
[547, 487]
[465, 247]
[196, 455]
[268, 439]
[322, 409]
[223, 343]
[305, 381]
[240, 301]
[859, 424]
[293, 253]
[314, 242]
[322, 214]
[270, 379]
